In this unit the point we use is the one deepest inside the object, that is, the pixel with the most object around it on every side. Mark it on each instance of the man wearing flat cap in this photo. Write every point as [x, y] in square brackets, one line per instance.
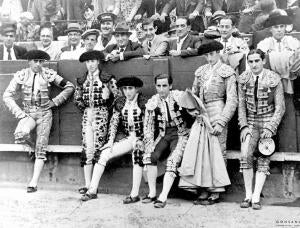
[215, 85]
[283, 52]
[125, 48]
[107, 22]
[125, 136]
[8, 50]
[94, 95]
[34, 83]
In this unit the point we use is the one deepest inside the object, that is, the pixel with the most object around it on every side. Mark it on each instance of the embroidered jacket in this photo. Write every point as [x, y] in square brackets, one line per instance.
[217, 84]
[270, 98]
[95, 93]
[125, 121]
[23, 80]
[155, 119]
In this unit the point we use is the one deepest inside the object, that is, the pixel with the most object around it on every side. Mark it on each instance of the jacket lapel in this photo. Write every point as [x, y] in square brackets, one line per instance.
[186, 42]
[1, 52]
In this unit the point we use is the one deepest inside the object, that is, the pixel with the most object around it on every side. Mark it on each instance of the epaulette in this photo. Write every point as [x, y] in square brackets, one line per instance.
[225, 71]
[120, 103]
[49, 74]
[201, 70]
[142, 100]
[272, 78]
[152, 102]
[105, 77]
[244, 77]
[21, 76]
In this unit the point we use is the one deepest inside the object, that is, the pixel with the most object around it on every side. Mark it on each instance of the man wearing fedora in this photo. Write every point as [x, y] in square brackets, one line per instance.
[125, 48]
[106, 38]
[261, 108]
[35, 83]
[8, 50]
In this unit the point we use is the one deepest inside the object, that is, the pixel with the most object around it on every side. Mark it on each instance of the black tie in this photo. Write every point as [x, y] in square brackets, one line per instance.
[149, 46]
[168, 112]
[9, 54]
[32, 90]
[255, 89]
[104, 41]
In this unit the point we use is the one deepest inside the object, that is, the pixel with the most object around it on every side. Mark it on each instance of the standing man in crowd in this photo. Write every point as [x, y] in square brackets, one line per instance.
[154, 45]
[125, 48]
[165, 135]
[186, 44]
[8, 50]
[107, 22]
[34, 83]
[261, 108]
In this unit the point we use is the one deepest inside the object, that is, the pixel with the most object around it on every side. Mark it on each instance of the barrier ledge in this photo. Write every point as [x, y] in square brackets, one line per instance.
[231, 154]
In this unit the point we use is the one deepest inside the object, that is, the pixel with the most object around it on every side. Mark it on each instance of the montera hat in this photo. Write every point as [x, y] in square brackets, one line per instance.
[90, 32]
[121, 28]
[188, 101]
[130, 81]
[277, 20]
[266, 146]
[74, 27]
[107, 17]
[36, 54]
[91, 55]
[8, 27]
[210, 47]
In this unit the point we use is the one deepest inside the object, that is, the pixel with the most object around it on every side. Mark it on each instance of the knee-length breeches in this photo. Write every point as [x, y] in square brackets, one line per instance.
[94, 132]
[124, 146]
[171, 146]
[43, 123]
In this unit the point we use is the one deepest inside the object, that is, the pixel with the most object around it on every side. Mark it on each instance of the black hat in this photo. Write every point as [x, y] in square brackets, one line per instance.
[36, 54]
[277, 20]
[107, 17]
[130, 81]
[210, 47]
[91, 55]
[122, 28]
[8, 27]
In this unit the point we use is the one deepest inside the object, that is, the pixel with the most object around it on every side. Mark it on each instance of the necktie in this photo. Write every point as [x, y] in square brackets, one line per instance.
[74, 48]
[168, 112]
[149, 46]
[33, 98]
[104, 41]
[255, 89]
[9, 54]
[121, 50]
[33, 82]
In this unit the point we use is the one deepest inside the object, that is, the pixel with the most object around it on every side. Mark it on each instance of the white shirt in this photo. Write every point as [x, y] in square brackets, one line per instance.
[5, 53]
[180, 42]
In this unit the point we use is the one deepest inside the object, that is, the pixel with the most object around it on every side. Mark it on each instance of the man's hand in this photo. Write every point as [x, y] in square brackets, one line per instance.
[175, 53]
[217, 129]
[147, 56]
[266, 134]
[50, 105]
[115, 58]
[137, 17]
[245, 131]
[193, 15]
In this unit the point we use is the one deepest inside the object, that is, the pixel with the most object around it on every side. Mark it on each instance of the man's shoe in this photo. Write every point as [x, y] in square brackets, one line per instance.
[31, 189]
[246, 203]
[149, 199]
[130, 199]
[160, 204]
[88, 196]
[83, 190]
[256, 206]
[209, 201]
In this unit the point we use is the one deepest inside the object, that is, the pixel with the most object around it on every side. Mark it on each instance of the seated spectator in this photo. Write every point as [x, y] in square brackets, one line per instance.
[74, 37]
[46, 10]
[8, 50]
[191, 9]
[125, 48]
[186, 44]
[140, 35]
[216, 17]
[89, 18]
[227, 6]
[107, 22]
[154, 45]
[26, 29]
[153, 9]
[47, 45]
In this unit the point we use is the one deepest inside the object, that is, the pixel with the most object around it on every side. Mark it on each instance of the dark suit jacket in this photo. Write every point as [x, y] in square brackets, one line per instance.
[148, 7]
[232, 5]
[132, 50]
[191, 42]
[260, 35]
[19, 51]
[184, 9]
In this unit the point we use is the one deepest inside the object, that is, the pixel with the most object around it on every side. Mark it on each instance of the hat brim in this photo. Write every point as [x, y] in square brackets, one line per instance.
[210, 47]
[36, 54]
[91, 55]
[74, 30]
[130, 81]
[121, 32]
[278, 20]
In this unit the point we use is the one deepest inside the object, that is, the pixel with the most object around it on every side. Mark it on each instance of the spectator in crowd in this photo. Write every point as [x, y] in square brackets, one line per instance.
[154, 45]
[172, 32]
[227, 6]
[8, 50]
[105, 6]
[215, 18]
[37, 106]
[13, 8]
[140, 35]
[153, 9]
[107, 22]
[89, 18]
[73, 9]
[186, 44]
[46, 10]
[47, 45]
[124, 49]
[191, 9]
[26, 29]
[128, 9]
[74, 41]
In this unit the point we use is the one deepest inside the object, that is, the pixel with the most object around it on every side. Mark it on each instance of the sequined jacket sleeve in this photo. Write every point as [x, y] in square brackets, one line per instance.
[242, 110]
[115, 119]
[78, 100]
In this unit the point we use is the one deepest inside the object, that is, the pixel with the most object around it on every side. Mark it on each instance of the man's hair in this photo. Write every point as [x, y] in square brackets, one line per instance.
[188, 22]
[46, 25]
[163, 76]
[256, 51]
[148, 21]
[230, 17]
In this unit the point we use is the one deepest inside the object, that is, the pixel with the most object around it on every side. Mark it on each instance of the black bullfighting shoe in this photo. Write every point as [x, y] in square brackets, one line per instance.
[130, 199]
